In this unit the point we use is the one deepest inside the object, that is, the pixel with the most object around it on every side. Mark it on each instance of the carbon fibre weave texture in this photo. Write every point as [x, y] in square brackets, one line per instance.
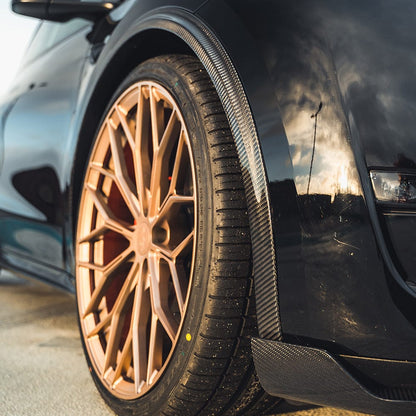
[314, 376]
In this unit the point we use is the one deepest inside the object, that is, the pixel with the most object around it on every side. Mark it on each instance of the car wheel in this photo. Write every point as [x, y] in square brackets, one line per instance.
[163, 270]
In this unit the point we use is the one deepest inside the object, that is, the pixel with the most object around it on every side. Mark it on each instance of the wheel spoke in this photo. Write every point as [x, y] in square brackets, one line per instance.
[170, 134]
[116, 226]
[173, 254]
[91, 266]
[141, 163]
[110, 267]
[140, 316]
[126, 129]
[110, 221]
[182, 245]
[158, 290]
[171, 200]
[156, 118]
[100, 203]
[125, 358]
[164, 252]
[118, 313]
[101, 326]
[177, 163]
[155, 351]
[113, 341]
[161, 150]
[93, 235]
[123, 180]
[179, 284]
[103, 171]
[136, 144]
[108, 272]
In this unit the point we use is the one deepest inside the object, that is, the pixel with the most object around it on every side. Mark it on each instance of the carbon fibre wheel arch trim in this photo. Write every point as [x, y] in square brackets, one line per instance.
[236, 106]
[314, 376]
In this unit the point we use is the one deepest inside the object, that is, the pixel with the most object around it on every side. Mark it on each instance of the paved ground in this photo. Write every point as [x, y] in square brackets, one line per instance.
[42, 368]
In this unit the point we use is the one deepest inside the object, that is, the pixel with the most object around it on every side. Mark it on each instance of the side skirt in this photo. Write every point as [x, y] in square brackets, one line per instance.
[314, 376]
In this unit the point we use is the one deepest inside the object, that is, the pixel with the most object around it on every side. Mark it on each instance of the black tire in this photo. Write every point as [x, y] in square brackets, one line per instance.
[213, 373]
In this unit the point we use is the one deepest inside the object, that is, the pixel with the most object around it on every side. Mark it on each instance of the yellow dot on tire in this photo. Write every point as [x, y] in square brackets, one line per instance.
[188, 337]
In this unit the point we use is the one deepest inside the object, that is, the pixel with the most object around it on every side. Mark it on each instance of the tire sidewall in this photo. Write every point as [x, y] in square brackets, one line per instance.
[157, 398]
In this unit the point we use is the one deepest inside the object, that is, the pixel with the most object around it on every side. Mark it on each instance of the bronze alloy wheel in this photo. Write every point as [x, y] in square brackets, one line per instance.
[135, 245]
[164, 285]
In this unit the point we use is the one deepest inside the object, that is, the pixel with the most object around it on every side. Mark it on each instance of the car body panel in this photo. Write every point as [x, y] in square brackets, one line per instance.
[35, 140]
[334, 289]
[327, 85]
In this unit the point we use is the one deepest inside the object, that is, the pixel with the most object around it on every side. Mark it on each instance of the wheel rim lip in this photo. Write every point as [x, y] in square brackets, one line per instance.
[93, 347]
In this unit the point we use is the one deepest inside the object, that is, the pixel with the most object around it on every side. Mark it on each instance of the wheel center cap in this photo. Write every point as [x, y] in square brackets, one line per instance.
[143, 238]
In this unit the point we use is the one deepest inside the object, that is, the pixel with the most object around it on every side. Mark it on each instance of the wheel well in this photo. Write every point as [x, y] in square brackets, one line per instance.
[139, 48]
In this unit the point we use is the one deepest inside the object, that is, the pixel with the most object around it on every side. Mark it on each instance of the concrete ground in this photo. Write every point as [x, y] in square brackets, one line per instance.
[42, 368]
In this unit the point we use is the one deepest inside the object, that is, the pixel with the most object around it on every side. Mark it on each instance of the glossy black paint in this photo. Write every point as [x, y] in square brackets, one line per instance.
[330, 86]
[335, 289]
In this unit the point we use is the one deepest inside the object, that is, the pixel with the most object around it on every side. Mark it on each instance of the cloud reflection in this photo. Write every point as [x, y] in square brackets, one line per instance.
[373, 46]
[304, 81]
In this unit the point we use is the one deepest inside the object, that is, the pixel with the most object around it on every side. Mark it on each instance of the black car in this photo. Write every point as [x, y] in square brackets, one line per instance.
[229, 187]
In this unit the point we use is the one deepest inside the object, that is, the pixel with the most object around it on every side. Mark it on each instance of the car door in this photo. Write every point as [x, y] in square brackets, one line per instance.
[36, 125]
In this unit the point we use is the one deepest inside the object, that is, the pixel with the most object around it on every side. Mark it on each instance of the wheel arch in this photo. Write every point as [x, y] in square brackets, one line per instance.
[173, 30]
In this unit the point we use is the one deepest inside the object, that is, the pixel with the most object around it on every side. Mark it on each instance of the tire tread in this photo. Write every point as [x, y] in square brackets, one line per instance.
[227, 322]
